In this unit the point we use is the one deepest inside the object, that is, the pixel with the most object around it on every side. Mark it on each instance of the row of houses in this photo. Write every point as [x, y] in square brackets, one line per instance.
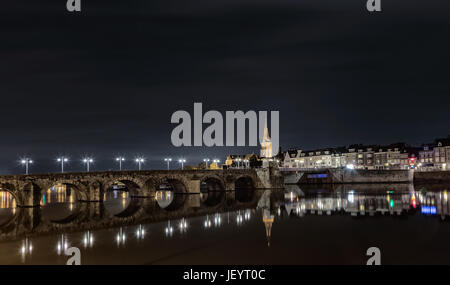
[395, 156]
[433, 156]
[428, 157]
[436, 155]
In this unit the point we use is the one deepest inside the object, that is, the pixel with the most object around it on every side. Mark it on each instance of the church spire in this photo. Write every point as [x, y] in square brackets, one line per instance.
[266, 143]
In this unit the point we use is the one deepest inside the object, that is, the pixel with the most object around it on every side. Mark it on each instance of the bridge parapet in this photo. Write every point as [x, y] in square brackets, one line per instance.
[90, 186]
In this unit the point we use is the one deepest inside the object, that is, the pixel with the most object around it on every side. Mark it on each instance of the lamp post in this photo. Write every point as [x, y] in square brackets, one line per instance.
[238, 162]
[120, 159]
[216, 161]
[88, 162]
[182, 161]
[168, 160]
[62, 160]
[139, 161]
[206, 160]
[26, 162]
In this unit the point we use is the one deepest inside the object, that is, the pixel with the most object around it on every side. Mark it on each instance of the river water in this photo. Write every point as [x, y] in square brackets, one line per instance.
[300, 225]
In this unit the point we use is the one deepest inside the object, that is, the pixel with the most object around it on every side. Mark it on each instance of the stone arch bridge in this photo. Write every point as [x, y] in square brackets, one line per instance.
[90, 186]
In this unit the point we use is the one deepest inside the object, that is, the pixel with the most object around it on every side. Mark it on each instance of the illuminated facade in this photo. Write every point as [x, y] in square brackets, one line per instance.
[266, 144]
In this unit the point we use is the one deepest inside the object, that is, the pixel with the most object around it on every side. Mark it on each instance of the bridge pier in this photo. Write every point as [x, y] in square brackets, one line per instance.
[30, 196]
[95, 192]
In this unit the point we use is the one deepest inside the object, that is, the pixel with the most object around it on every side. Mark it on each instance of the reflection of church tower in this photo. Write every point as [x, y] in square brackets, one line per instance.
[266, 143]
[268, 221]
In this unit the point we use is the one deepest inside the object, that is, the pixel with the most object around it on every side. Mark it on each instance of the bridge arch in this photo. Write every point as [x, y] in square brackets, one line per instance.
[212, 190]
[9, 188]
[60, 200]
[120, 198]
[244, 187]
[171, 192]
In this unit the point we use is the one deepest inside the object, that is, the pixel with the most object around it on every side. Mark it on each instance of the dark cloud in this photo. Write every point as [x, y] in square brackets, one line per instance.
[107, 81]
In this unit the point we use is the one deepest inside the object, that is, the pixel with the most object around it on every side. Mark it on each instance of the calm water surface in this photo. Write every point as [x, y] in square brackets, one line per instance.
[300, 225]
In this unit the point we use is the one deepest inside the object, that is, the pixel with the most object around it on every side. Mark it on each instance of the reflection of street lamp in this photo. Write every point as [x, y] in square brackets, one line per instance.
[120, 159]
[206, 160]
[26, 162]
[88, 162]
[140, 232]
[62, 244]
[26, 249]
[169, 229]
[88, 239]
[183, 225]
[62, 160]
[182, 161]
[207, 222]
[168, 160]
[121, 237]
[139, 161]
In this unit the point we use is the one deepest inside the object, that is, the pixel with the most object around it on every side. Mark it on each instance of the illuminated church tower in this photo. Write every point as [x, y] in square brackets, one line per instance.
[266, 143]
[268, 221]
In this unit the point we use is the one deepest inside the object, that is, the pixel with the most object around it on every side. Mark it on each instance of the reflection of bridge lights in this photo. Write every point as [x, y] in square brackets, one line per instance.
[279, 211]
[291, 196]
[413, 201]
[88, 239]
[320, 205]
[183, 225]
[445, 195]
[169, 229]
[207, 222]
[26, 249]
[239, 218]
[140, 232]
[62, 244]
[351, 197]
[247, 215]
[217, 220]
[121, 237]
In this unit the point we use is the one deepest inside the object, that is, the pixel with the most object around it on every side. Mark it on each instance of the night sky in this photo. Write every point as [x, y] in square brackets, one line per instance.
[107, 80]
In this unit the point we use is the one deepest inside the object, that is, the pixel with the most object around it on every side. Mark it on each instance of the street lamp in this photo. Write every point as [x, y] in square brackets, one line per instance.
[182, 161]
[168, 160]
[26, 162]
[139, 161]
[120, 159]
[206, 160]
[62, 160]
[88, 162]
[238, 162]
[246, 163]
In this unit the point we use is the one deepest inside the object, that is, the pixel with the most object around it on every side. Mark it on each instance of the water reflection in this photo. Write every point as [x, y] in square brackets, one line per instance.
[362, 203]
[7, 207]
[62, 244]
[58, 202]
[121, 237]
[164, 198]
[183, 225]
[169, 229]
[261, 217]
[26, 249]
[88, 239]
[140, 232]
[116, 201]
